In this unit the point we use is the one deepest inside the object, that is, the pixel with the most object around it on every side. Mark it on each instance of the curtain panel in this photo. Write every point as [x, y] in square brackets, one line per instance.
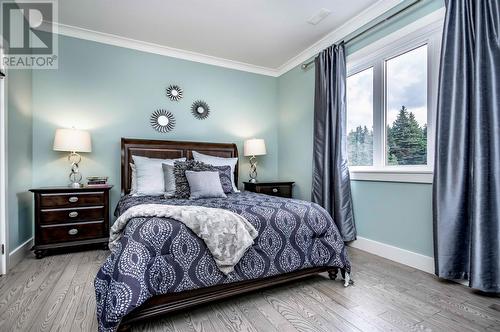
[466, 189]
[331, 187]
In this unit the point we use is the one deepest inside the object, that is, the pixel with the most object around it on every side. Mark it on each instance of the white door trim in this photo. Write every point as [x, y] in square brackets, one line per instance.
[18, 254]
[4, 227]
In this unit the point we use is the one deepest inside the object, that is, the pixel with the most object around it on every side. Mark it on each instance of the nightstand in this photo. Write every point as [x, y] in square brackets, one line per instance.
[280, 189]
[70, 217]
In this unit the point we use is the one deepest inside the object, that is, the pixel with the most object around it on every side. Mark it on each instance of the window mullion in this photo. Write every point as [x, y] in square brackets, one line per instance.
[433, 57]
[383, 111]
[378, 116]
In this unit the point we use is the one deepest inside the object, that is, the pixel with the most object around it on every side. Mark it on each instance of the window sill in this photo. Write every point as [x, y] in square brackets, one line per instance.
[393, 175]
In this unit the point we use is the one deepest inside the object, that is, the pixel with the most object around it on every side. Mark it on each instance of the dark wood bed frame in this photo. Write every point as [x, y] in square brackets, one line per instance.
[163, 304]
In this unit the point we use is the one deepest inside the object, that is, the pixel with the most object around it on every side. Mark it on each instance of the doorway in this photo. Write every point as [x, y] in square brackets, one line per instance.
[3, 171]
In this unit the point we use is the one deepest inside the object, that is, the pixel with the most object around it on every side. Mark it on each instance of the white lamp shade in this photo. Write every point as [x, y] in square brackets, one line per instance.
[254, 147]
[72, 140]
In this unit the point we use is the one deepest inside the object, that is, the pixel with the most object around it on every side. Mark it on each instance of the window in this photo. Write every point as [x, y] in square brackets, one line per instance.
[391, 93]
[360, 118]
[406, 108]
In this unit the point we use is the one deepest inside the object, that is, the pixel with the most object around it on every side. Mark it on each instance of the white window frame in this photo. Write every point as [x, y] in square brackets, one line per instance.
[426, 31]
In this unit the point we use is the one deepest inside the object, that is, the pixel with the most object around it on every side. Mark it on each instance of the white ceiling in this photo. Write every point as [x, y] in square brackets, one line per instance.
[265, 33]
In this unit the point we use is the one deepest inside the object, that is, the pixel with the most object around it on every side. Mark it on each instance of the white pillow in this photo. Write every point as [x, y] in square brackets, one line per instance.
[218, 161]
[149, 174]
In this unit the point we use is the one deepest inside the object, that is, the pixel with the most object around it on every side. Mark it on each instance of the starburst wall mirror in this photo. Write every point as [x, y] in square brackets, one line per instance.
[162, 121]
[174, 92]
[200, 109]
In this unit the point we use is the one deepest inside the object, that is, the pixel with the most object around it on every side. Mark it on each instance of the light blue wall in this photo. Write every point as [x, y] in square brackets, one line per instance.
[112, 91]
[19, 156]
[295, 130]
[399, 214]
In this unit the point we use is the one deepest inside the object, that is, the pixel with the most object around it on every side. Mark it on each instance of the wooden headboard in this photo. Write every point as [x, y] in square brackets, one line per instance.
[169, 150]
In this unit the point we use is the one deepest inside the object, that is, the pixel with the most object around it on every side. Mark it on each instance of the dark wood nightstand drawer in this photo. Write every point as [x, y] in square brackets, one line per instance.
[71, 199]
[280, 189]
[62, 216]
[70, 217]
[72, 232]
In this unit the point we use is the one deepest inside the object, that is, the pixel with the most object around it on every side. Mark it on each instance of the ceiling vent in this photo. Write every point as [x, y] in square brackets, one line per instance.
[318, 17]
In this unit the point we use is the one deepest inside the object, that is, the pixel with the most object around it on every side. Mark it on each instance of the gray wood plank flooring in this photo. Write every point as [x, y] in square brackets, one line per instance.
[56, 294]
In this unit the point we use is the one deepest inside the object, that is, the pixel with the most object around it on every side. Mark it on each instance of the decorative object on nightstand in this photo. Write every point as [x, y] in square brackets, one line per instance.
[73, 140]
[280, 189]
[251, 148]
[97, 181]
[70, 217]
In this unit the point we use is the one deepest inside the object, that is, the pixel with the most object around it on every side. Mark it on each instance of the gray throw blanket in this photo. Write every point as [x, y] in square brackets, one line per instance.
[226, 234]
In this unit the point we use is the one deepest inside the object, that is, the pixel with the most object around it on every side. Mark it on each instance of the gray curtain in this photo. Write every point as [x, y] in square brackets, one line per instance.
[331, 187]
[467, 165]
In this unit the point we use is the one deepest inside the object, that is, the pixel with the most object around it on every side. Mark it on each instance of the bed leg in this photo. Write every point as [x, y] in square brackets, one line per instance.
[347, 278]
[333, 273]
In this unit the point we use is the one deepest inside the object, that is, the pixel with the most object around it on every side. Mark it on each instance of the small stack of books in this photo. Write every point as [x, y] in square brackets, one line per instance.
[96, 181]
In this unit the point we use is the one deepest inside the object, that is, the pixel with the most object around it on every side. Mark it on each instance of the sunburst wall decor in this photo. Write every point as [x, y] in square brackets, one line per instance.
[200, 109]
[162, 121]
[174, 92]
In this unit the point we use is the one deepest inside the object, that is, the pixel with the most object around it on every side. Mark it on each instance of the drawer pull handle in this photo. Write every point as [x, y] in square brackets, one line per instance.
[73, 214]
[275, 190]
[73, 199]
[73, 231]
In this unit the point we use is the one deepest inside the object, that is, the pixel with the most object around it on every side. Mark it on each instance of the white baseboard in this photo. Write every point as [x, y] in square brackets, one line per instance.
[402, 256]
[18, 254]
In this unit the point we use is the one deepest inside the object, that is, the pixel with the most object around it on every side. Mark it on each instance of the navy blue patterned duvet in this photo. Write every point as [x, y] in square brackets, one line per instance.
[159, 255]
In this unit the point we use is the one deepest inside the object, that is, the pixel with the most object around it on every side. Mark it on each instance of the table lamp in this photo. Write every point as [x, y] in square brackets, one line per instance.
[251, 148]
[73, 140]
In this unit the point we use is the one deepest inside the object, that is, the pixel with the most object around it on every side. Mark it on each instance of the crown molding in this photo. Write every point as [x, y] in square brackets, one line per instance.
[110, 39]
[358, 21]
[366, 16]
[431, 23]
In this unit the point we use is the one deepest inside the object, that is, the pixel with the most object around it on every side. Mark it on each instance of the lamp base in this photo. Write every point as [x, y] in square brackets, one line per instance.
[253, 170]
[75, 177]
[75, 185]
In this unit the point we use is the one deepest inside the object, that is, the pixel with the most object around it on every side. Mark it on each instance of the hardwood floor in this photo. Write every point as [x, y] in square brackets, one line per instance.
[56, 294]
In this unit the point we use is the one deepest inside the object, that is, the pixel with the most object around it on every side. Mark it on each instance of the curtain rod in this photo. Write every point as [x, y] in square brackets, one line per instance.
[307, 64]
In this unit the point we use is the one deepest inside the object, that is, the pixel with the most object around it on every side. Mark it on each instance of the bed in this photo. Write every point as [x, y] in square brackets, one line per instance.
[160, 267]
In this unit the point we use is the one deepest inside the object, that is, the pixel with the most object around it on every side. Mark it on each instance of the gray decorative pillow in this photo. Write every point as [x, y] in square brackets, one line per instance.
[225, 174]
[133, 183]
[218, 161]
[182, 185]
[204, 184]
[169, 178]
